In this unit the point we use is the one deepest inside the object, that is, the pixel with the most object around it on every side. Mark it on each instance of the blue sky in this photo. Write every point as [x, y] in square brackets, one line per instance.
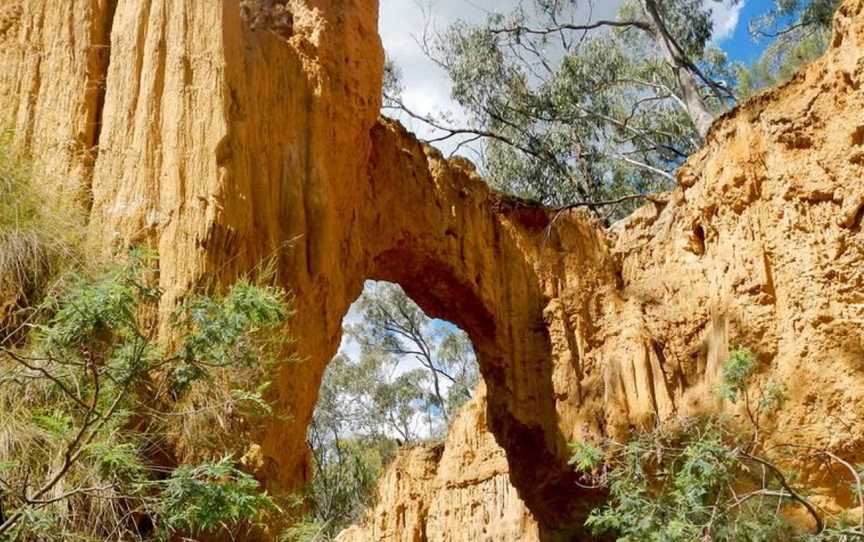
[739, 46]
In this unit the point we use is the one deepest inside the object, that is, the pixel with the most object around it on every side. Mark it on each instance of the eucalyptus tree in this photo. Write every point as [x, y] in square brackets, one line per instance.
[366, 396]
[575, 110]
[797, 32]
[364, 412]
[392, 324]
[402, 386]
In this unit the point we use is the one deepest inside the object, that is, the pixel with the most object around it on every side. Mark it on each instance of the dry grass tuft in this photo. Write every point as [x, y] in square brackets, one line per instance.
[38, 241]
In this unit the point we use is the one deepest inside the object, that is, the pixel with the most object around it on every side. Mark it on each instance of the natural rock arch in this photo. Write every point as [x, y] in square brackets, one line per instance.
[488, 263]
[482, 261]
[220, 145]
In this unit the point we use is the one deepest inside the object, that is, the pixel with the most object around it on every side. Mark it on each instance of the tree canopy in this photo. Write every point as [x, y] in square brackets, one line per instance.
[797, 32]
[568, 110]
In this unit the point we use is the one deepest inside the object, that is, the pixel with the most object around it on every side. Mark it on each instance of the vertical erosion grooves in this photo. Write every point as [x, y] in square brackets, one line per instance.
[53, 61]
[99, 58]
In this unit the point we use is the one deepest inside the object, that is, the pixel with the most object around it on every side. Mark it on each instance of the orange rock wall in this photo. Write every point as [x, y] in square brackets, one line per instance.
[459, 490]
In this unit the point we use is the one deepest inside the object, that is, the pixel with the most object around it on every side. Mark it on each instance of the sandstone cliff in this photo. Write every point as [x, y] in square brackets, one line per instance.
[459, 490]
[180, 126]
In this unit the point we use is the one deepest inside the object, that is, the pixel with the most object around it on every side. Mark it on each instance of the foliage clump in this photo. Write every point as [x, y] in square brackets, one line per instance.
[736, 373]
[681, 486]
[202, 498]
[89, 399]
[797, 33]
[706, 478]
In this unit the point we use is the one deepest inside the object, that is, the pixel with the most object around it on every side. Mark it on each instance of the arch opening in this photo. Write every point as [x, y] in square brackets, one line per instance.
[399, 380]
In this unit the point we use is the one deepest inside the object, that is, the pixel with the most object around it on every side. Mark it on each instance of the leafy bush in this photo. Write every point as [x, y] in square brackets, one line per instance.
[736, 374]
[586, 457]
[682, 486]
[759, 396]
[87, 402]
[707, 479]
[200, 499]
[306, 529]
[346, 473]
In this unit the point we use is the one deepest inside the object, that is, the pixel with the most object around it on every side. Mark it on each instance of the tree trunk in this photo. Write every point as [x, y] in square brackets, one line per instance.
[437, 383]
[687, 86]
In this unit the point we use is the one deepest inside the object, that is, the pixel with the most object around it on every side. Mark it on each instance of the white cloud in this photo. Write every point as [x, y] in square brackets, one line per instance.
[725, 16]
[427, 87]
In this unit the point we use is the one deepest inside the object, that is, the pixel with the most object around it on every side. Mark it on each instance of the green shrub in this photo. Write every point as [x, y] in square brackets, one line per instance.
[586, 457]
[759, 396]
[681, 487]
[201, 498]
[737, 372]
[86, 404]
[306, 529]
[706, 480]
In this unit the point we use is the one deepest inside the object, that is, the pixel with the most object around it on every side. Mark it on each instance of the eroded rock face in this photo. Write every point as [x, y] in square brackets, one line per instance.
[459, 490]
[761, 247]
[222, 145]
[53, 57]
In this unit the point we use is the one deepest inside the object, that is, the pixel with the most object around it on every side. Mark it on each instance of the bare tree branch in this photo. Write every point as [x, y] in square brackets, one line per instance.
[642, 25]
[778, 474]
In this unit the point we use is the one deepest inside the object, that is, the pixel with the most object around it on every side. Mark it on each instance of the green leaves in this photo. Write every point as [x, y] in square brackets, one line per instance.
[118, 459]
[736, 374]
[394, 331]
[252, 401]
[787, 15]
[681, 486]
[690, 22]
[586, 457]
[206, 497]
[222, 331]
[344, 483]
[773, 396]
[697, 481]
[97, 412]
[305, 529]
[566, 112]
[100, 309]
[800, 30]
[57, 424]
[578, 115]
[739, 375]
